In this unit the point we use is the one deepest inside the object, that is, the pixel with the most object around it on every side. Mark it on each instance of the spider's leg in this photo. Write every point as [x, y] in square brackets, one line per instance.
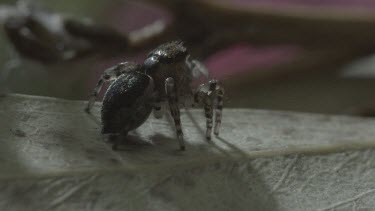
[208, 113]
[204, 95]
[208, 108]
[170, 90]
[94, 94]
[109, 74]
[219, 108]
[197, 68]
[120, 138]
[159, 110]
[199, 95]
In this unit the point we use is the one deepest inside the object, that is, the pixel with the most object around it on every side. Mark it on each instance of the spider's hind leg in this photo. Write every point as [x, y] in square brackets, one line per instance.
[109, 75]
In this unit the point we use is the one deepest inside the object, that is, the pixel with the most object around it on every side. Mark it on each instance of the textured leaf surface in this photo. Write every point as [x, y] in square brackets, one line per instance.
[53, 157]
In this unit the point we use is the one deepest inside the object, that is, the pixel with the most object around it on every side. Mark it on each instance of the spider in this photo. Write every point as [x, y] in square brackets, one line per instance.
[165, 78]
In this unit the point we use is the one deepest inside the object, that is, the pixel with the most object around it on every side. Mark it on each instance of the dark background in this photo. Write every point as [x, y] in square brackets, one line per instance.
[282, 75]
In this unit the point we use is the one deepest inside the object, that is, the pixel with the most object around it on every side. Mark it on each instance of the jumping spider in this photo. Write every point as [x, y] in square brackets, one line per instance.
[165, 77]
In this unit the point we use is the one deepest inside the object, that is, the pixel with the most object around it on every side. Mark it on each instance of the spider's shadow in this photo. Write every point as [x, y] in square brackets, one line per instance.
[221, 139]
[130, 142]
[136, 143]
[160, 142]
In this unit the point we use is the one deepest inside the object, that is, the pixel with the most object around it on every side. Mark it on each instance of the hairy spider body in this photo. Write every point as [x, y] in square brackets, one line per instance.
[165, 78]
[125, 104]
[169, 61]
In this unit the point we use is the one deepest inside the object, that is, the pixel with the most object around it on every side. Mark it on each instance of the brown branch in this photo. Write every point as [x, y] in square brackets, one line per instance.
[207, 26]
[310, 27]
[329, 37]
[307, 64]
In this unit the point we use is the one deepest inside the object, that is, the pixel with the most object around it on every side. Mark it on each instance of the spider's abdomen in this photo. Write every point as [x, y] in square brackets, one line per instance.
[127, 103]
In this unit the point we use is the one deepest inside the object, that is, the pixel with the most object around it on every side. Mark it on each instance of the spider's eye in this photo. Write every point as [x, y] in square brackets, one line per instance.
[151, 63]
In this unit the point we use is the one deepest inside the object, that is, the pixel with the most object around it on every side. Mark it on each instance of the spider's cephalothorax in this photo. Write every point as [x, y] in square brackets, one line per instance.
[164, 78]
[169, 61]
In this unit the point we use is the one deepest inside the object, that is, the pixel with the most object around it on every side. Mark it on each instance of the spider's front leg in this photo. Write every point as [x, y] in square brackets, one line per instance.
[219, 107]
[109, 75]
[170, 90]
[208, 111]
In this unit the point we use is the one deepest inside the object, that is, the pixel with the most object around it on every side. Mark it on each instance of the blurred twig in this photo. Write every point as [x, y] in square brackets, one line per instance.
[306, 27]
[329, 37]
[207, 26]
[311, 64]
